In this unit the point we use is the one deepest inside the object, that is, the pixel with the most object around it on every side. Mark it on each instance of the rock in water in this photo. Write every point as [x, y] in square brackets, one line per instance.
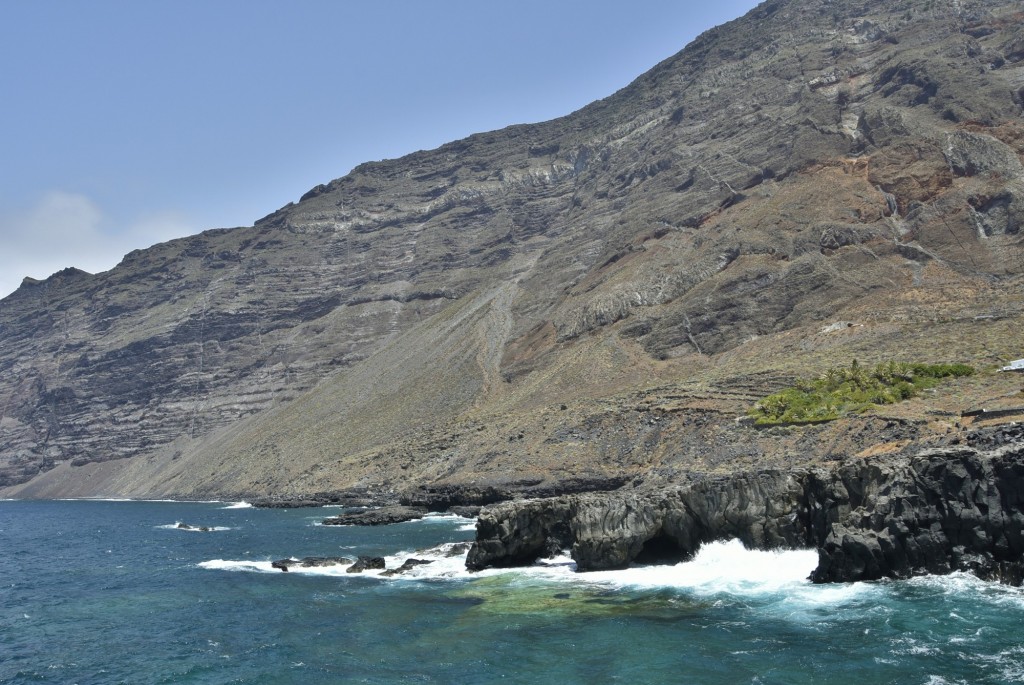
[366, 564]
[406, 567]
[310, 562]
[377, 517]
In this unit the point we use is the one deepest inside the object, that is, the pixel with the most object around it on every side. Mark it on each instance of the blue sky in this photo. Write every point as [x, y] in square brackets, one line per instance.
[124, 123]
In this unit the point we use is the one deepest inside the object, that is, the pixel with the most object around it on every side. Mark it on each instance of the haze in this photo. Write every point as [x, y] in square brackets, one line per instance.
[126, 124]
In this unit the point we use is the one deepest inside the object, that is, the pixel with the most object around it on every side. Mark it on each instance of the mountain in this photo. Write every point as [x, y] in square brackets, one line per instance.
[591, 299]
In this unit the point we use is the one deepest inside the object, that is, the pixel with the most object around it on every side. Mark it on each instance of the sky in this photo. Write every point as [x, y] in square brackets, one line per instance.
[127, 123]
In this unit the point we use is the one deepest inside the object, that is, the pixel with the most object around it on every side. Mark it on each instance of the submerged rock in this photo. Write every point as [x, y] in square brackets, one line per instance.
[453, 549]
[184, 526]
[310, 562]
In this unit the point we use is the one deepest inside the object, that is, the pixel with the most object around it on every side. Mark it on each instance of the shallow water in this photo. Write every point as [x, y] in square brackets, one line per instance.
[112, 592]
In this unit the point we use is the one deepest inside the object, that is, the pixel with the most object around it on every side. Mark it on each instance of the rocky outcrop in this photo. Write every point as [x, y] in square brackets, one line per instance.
[366, 564]
[449, 497]
[363, 563]
[518, 533]
[376, 517]
[612, 530]
[320, 499]
[936, 512]
[760, 509]
[407, 565]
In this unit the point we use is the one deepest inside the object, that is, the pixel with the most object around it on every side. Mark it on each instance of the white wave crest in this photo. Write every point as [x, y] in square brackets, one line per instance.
[227, 565]
[442, 518]
[966, 584]
[723, 567]
[445, 561]
[720, 569]
[187, 528]
[237, 505]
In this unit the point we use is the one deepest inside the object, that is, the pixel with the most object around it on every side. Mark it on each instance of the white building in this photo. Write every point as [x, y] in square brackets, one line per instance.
[1017, 365]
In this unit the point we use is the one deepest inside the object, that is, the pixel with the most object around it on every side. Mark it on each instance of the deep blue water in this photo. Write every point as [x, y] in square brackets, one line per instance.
[111, 592]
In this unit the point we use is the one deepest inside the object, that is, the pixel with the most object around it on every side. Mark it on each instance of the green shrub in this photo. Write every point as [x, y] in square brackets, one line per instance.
[855, 389]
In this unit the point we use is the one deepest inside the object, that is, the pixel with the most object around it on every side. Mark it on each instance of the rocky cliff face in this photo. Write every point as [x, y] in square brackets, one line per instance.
[937, 512]
[653, 263]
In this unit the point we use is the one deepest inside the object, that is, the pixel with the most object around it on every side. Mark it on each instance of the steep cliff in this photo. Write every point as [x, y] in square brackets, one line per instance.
[652, 263]
[885, 517]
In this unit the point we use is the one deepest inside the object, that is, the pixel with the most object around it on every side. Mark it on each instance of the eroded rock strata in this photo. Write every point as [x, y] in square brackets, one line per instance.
[954, 509]
[598, 296]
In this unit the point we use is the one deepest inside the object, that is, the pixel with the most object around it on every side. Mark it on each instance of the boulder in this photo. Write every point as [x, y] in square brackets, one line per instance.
[405, 567]
[366, 564]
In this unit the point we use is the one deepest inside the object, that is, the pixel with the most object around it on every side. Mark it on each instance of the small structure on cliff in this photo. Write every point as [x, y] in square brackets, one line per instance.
[1016, 365]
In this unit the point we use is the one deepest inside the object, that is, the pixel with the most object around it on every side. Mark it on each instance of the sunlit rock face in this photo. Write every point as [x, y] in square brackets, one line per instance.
[424, 320]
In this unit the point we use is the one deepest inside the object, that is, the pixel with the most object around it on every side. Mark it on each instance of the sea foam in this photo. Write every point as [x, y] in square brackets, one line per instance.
[227, 565]
[719, 568]
[192, 529]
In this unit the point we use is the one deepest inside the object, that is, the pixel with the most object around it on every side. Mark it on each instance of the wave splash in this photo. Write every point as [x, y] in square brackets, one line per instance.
[719, 567]
[188, 528]
[446, 561]
[722, 567]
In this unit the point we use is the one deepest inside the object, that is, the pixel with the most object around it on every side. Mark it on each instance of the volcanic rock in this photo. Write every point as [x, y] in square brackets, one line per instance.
[376, 517]
[937, 512]
[186, 526]
[310, 562]
[592, 298]
[407, 566]
[366, 564]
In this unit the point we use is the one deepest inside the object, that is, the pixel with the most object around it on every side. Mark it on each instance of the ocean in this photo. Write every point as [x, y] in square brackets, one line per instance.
[115, 592]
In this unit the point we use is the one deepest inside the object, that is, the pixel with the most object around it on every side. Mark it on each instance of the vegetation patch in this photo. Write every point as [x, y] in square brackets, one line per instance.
[841, 391]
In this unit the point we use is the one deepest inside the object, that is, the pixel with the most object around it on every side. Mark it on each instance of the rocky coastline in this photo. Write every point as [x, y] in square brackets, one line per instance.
[381, 516]
[955, 508]
[459, 499]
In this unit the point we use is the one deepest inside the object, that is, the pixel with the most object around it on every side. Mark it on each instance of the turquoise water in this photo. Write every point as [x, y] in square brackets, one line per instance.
[112, 592]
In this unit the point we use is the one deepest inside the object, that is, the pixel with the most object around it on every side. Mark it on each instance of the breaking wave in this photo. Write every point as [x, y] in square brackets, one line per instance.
[189, 528]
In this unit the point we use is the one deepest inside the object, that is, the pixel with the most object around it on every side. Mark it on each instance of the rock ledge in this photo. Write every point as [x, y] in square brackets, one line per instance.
[945, 510]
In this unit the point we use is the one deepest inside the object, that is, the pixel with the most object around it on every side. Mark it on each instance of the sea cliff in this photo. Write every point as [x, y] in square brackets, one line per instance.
[958, 508]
